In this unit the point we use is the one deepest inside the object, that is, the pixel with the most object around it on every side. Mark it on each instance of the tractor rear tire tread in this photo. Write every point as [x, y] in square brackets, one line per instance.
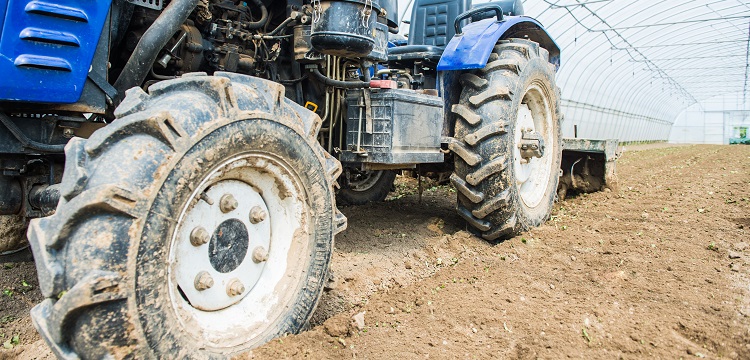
[100, 218]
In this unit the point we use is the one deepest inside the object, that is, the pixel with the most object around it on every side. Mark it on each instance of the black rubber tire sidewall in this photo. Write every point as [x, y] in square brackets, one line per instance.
[376, 193]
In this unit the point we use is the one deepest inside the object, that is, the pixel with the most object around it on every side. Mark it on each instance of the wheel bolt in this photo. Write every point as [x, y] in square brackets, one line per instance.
[199, 236]
[260, 254]
[257, 214]
[228, 203]
[235, 287]
[203, 281]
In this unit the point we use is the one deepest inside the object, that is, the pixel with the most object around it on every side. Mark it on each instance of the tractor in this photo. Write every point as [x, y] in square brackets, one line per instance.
[179, 161]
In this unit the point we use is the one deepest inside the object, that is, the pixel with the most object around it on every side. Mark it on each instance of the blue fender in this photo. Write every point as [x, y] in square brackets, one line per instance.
[47, 46]
[472, 48]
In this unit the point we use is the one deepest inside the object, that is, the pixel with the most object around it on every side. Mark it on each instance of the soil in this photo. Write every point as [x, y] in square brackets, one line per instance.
[658, 269]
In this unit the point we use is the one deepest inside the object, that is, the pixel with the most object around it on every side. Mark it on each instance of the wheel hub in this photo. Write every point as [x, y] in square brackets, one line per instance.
[532, 145]
[533, 130]
[228, 246]
[218, 273]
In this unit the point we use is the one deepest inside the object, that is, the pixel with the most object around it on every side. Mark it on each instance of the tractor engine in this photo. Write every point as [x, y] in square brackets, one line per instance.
[253, 37]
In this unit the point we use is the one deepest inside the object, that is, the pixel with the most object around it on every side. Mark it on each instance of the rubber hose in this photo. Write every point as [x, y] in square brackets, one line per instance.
[281, 26]
[263, 16]
[25, 141]
[341, 84]
[152, 41]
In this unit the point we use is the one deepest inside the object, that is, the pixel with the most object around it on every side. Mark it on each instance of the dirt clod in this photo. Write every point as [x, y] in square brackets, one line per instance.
[336, 327]
[359, 320]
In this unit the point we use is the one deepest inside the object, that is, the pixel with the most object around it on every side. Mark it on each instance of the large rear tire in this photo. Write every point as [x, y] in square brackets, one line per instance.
[199, 224]
[502, 190]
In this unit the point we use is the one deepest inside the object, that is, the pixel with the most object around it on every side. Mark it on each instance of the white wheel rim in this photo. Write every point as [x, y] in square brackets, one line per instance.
[532, 177]
[258, 181]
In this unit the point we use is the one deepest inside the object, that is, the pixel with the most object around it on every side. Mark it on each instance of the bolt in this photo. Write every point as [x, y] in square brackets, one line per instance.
[260, 254]
[228, 203]
[207, 199]
[203, 281]
[68, 133]
[199, 236]
[235, 287]
[257, 214]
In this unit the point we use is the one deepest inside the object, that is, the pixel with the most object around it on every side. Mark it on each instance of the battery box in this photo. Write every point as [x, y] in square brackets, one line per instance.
[393, 126]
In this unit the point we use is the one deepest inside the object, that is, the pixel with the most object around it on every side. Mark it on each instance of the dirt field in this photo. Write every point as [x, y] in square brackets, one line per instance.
[658, 269]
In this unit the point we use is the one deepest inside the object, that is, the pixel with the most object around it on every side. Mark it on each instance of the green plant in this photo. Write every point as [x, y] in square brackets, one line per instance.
[12, 342]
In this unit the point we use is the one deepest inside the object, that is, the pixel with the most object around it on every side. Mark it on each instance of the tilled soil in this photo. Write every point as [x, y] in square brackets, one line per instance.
[657, 269]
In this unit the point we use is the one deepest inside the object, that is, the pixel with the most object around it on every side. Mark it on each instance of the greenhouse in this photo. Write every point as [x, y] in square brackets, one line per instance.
[374, 179]
[649, 70]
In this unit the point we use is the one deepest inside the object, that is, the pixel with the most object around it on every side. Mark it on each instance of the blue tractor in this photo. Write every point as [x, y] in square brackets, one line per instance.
[180, 161]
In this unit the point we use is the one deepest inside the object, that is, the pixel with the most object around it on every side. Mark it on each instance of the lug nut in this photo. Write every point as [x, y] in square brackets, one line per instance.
[203, 281]
[199, 236]
[228, 203]
[260, 254]
[235, 287]
[257, 214]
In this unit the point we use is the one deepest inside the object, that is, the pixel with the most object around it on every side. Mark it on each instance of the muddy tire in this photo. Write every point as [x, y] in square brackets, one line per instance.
[198, 224]
[359, 188]
[12, 234]
[500, 192]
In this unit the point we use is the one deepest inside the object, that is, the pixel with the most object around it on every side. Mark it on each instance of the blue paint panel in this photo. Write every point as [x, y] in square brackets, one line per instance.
[472, 48]
[3, 9]
[46, 47]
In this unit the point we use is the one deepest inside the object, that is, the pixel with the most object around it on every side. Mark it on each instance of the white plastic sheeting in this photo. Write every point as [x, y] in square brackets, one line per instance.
[718, 120]
[630, 67]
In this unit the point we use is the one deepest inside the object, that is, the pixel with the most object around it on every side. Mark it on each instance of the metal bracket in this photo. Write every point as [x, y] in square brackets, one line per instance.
[151, 4]
[369, 127]
[531, 145]
[104, 86]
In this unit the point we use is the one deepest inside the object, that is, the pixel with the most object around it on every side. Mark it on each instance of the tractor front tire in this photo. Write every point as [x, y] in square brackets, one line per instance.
[503, 191]
[199, 224]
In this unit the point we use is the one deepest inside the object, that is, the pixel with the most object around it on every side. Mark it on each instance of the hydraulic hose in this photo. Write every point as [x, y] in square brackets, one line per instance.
[153, 40]
[263, 16]
[340, 84]
[281, 27]
[26, 141]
